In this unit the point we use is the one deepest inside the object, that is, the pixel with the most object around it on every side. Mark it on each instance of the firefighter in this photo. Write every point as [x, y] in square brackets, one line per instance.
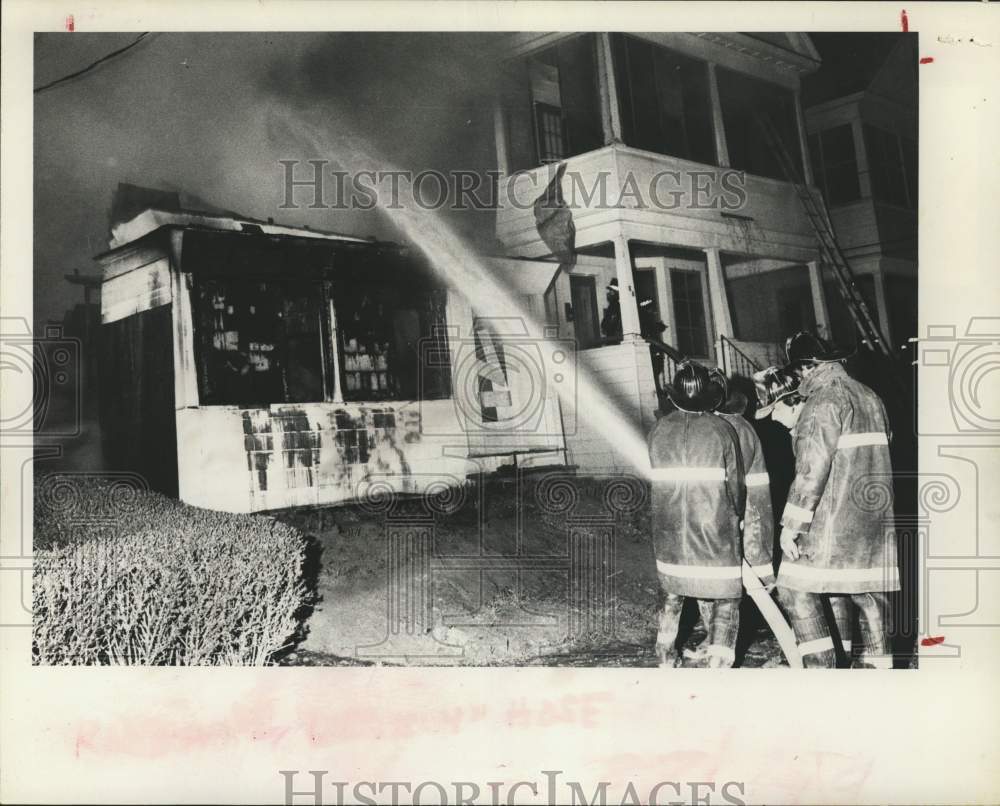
[758, 515]
[611, 322]
[834, 542]
[697, 492]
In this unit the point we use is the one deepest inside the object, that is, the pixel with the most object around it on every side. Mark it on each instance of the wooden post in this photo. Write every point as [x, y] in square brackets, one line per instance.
[718, 123]
[626, 293]
[800, 121]
[882, 306]
[611, 118]
[820, 310]
[717, 294]
[500, 135]
[861, 155]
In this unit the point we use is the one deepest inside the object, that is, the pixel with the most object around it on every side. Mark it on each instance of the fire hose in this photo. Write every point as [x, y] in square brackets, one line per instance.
[757, 591]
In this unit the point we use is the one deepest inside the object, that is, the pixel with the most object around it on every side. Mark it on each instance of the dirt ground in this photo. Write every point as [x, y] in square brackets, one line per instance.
[539, 569]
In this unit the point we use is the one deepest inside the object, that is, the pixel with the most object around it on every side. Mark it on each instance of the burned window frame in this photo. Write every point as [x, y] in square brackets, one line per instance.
[329, 278]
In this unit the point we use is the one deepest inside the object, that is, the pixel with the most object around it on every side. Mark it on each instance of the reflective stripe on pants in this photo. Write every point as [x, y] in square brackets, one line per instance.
[721, 619]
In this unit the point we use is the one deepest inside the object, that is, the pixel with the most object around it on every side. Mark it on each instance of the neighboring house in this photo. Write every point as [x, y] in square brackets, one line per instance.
[728, 274]
[864, 158]
[250, 366]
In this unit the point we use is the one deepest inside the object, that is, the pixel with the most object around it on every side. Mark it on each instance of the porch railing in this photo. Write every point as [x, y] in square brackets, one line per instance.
[733, 361]
[665, 368]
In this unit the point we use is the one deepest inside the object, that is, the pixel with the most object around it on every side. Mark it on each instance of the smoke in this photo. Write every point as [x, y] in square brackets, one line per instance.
[193, 111]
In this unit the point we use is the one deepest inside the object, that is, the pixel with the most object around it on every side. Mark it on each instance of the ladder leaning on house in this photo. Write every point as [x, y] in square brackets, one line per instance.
[829, 247]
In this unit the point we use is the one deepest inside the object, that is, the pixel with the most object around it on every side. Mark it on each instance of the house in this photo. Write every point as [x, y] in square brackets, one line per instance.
[698, 224]
[864, 159]
[251, 366]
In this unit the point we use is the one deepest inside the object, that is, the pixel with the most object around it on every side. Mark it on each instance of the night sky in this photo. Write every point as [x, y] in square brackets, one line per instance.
[204, 113]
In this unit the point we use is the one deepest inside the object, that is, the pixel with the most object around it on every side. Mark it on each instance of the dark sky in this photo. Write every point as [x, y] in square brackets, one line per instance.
[206, 112]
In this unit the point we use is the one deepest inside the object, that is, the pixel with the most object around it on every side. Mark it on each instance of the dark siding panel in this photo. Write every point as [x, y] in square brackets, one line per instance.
[137, 402]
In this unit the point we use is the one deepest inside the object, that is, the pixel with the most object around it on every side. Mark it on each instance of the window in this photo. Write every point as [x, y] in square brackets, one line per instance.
[270, 329]
[689, 313]
[549, 133]
[665, 100]
[565, 99]
[261, 341]
[743, 100]
[391, 334]
[886, 167]
[552, 103]
[835, 164]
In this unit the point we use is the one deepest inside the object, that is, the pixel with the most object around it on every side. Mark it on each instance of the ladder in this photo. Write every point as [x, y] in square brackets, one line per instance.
[829, 247]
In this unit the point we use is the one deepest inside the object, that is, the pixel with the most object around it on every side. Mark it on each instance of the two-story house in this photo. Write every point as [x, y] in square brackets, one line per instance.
[675, 192]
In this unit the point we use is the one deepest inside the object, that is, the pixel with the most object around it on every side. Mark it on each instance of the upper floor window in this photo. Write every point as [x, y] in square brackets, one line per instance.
[552, 103]
[892, 166]
[665, 100]
[835, 164]
[745, 101]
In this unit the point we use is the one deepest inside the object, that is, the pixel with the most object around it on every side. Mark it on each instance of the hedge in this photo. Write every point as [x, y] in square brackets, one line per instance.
[126, 576]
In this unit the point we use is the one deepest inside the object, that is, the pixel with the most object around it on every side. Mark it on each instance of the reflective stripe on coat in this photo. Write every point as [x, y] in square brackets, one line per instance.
[758, 516]
[841, 498]
[697, 487]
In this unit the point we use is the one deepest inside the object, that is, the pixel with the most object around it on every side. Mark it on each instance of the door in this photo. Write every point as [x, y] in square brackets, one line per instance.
[690, 312]
[648, 300]
[583, 298]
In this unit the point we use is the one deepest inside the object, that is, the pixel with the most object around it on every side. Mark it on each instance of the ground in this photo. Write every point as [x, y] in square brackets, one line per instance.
[443, 579]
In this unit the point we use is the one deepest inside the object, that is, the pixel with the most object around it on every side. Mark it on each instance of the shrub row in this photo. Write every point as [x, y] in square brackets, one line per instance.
[124, 576]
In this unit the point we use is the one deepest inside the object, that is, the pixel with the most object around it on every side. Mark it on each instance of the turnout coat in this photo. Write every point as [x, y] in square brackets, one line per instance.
[758, 514]
[697, 491]
[841, 499]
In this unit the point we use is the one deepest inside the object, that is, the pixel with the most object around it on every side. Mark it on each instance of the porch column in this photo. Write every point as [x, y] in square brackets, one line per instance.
[500, 135]
[819, 300]
[717, 294]
[626, 293]
[718, 123]
[611, 119]
[800, 121]
[882, 306]
[861, 155]
[185, 372]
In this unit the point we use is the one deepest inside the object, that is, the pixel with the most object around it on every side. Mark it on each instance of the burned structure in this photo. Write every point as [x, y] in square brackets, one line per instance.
[251, 366]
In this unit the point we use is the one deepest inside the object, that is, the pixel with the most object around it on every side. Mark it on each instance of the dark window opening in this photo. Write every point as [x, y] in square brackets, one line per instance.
[891, 167]
[835, 165]
[392, 341]
[665, 100]
[552, 104]
[583, 292]
[261, 341]
[743, 99]
[769, 306]
[689, 313]
[277, 324]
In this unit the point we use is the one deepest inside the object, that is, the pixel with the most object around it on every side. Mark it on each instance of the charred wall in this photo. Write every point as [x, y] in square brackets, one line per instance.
[138, 421]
